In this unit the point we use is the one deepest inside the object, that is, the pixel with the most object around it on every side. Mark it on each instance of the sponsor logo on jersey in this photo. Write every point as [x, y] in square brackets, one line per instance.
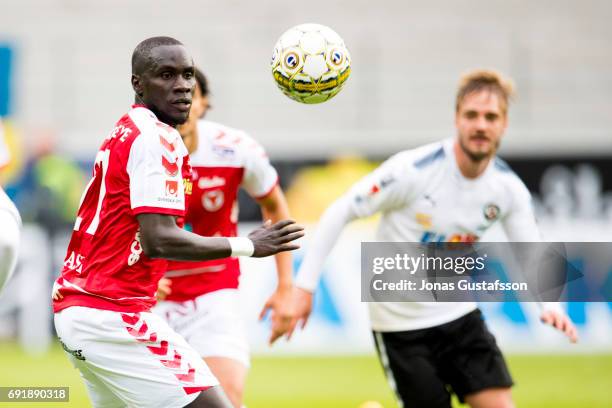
[430, 200]
[424, 220]
[213, 200]
[188, 186]
[75, 353]
[135, 250]
[211, 182]
[430, 236]
[224, 151]
[491, 212]
[171, 188]
[375, 188]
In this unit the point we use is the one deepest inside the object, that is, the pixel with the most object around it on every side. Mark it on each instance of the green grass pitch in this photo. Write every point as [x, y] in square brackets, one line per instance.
[543, 381]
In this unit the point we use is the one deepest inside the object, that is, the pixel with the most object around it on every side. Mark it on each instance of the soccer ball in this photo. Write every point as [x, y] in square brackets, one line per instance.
[310, 63]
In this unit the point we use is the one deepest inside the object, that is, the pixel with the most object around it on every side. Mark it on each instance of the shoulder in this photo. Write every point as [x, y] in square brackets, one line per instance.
[149, 134]
[512, 183]
[228, 142]
[428, 155]
[417, 160]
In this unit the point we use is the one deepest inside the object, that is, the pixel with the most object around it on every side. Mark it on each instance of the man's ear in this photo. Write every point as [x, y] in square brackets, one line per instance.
[137, 84]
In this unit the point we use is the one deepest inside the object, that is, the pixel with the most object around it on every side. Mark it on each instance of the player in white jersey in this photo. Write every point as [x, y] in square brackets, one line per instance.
[201, 299]
[451, 191]
[10, 222]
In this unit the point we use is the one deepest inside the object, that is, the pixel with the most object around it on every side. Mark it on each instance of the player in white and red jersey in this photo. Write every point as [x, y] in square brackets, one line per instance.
[450, 191]
[203, 300]
[10, 221]
[126, 225]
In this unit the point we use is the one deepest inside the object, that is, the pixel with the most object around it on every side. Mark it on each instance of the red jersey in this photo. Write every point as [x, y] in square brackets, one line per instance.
[225, 160]
[141, 167]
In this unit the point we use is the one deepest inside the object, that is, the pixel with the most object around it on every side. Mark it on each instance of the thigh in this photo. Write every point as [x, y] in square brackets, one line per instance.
[135, 355]
[472, 361]
[410, 370]
[100, 395]
[211, 324]
[232, 376]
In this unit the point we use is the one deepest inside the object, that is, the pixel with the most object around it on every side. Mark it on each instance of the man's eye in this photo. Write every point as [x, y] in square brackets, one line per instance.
[491, 117]
[166, 75]
[188, 75]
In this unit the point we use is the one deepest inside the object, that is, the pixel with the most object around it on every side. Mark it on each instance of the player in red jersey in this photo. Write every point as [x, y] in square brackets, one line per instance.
[126, 225]
[202, 299]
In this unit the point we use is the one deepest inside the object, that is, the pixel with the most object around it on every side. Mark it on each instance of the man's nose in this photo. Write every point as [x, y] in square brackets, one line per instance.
[481, 122]
[183, 84]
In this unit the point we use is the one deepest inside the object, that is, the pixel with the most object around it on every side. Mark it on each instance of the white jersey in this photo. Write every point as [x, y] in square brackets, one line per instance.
[424, 197]
[4, 151]
[5, 203]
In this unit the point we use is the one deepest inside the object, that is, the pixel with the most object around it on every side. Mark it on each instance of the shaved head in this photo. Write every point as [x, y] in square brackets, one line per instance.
[141, 57]
[163, 78]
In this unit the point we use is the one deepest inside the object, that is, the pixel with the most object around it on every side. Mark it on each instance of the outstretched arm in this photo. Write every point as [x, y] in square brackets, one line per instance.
[160, 237]
[323, 241]
[274, 208]
[520, 226]
[387, 188]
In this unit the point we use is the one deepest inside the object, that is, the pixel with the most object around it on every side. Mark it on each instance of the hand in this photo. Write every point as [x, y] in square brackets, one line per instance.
[561, 322]
[272, 239]
[163, 289]
[282, 313]
[55, 294]
[302, 307]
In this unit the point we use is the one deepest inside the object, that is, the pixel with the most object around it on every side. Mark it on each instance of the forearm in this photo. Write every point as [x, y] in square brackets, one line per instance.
[182, 245]
[328, 230]
[160, 237]
[276, 209]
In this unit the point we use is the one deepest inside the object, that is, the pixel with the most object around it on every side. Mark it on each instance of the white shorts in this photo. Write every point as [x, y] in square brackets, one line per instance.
[131, 359]
[211, 324]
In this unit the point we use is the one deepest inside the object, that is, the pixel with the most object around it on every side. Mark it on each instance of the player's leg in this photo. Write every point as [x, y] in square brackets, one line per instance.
[407, 360]
[212, 398]
[99, 394]
[231, 374]
[213, 326]
[472, 363]
[9, 245]
[137, 357]
[491, 398]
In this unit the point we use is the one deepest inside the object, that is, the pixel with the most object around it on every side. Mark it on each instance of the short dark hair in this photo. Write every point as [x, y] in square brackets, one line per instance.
[202, 82]
[142, 52]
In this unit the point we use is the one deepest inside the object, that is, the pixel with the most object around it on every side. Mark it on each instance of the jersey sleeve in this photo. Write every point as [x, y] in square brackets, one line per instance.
[4, 151]
[259, 175]
[384, 189]
[520, 223]
[156, 183]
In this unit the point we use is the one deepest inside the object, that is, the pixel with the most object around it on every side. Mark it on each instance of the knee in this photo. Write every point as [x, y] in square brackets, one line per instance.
[491, 398]
[234, 391]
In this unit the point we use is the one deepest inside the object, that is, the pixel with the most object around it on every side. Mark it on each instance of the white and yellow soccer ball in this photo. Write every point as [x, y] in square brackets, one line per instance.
[310, 63]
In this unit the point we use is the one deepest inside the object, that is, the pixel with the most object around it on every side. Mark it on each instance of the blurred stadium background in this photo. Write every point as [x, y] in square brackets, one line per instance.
[64, 80]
